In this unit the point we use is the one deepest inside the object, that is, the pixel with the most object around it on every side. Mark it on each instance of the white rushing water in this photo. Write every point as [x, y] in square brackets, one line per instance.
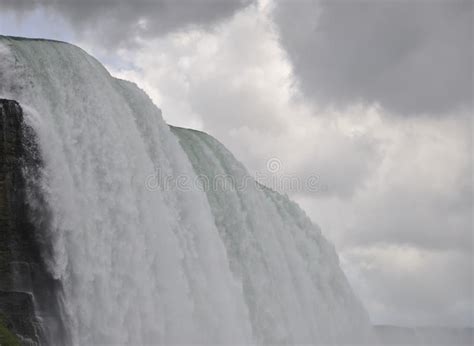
[293, 285]
[143, 264]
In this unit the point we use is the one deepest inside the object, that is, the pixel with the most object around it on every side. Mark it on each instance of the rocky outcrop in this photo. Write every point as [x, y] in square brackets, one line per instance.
[28, 293]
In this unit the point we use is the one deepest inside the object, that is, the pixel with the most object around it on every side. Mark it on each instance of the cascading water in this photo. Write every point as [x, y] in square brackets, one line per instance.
[172, 264]
[293, 285]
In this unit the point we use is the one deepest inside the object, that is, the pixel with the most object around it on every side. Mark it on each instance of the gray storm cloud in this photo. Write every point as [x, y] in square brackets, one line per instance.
[119, 23]
[411, 57]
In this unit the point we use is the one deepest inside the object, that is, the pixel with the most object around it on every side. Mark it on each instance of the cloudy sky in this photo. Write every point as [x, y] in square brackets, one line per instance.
[374, 98]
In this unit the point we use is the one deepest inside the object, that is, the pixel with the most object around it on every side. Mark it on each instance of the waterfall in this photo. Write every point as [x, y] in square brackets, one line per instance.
[145, 255]
[293, 285]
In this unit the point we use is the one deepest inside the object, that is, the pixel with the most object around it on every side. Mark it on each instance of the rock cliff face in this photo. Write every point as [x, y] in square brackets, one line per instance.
[28, 293]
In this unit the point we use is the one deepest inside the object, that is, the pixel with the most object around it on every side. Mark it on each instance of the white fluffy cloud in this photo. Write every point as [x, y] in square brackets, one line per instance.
[236, 83]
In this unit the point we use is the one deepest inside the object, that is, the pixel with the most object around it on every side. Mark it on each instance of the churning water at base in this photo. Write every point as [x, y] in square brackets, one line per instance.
[169, 265]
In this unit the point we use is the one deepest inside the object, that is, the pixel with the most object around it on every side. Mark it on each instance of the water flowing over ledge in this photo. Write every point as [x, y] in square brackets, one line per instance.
[171, 265]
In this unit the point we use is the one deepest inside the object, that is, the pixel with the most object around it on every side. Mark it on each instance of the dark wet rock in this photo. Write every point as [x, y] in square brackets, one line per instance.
[28, 294]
